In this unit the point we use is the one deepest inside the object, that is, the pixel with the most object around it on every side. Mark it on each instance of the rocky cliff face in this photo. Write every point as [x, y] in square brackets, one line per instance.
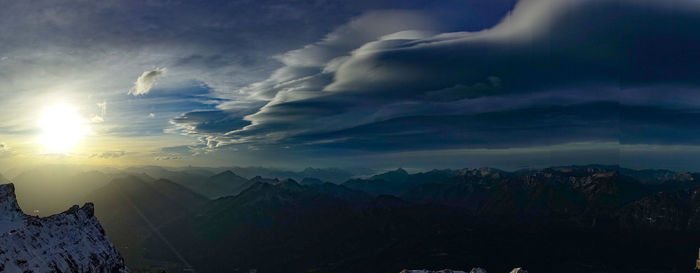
[72, 241]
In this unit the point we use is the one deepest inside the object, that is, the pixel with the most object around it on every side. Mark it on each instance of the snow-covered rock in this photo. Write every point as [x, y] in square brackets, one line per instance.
[518, 270]
[72, 241]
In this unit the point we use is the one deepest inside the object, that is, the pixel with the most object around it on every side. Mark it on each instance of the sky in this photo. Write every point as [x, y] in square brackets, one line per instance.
[415, 84]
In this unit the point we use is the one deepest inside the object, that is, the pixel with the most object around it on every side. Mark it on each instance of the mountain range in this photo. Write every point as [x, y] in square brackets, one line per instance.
[592, 218]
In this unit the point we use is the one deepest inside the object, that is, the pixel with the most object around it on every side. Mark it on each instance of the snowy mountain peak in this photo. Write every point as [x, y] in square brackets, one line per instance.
[71, 241]
[10, 212]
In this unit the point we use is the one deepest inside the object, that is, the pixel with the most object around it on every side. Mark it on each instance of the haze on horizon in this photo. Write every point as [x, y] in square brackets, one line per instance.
[378, 84]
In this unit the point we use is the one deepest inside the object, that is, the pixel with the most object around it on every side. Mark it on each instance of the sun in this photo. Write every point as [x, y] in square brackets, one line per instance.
[62, 129]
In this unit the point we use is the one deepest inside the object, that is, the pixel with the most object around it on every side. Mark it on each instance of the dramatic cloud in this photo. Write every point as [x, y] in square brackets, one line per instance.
[551, 72]
[146, 81]
[541, 45]
[303, 67]
[208, 121]
[297, 79]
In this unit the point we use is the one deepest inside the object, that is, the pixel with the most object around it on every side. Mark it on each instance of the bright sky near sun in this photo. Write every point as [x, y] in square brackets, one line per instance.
[62, 129]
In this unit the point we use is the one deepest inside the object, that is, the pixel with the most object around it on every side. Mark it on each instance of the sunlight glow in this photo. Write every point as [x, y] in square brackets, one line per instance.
[62, 129]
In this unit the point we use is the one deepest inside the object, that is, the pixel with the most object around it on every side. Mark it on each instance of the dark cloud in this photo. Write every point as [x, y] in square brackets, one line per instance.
[542, 45]
[215, 121]
[525, 127]
[651, 125]
[538, 126]
[551, 72]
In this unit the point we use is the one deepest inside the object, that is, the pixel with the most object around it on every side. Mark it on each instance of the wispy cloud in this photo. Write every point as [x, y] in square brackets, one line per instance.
[109, 154]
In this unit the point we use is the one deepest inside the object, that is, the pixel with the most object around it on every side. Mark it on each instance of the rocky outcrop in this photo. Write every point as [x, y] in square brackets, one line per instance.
[72, 241]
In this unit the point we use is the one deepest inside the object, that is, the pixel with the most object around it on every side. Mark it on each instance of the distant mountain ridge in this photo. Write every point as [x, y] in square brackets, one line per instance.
[398, 219]
[184, 174]
[320, 219]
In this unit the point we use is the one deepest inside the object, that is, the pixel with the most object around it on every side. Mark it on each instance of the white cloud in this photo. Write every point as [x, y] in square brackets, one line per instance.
[146, 81]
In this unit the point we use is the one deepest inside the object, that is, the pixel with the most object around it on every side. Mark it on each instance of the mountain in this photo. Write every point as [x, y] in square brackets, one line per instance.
[333, 175]
[71, 241]
[310, 181]
[398, 181]
[668, 211]
[657, 176]
[222, 184]
[46, 190]
[577, 216]
[467, 188]
[326, 174]
[299, 225]
[576, 196]
[266, 200]
[398, 175]
[377, 186]
[132, 210]
[186, 177]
